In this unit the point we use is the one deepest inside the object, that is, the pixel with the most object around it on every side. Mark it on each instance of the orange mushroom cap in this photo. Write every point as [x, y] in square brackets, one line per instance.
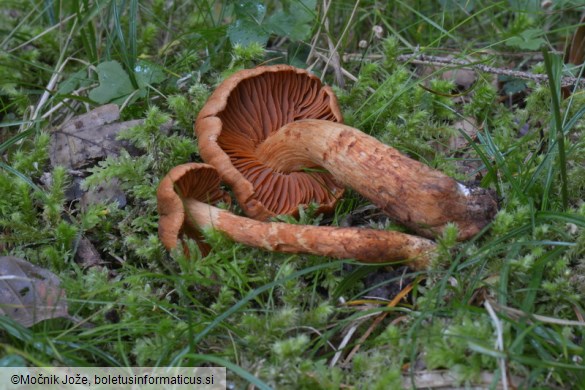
[179, 184]
[242, 112]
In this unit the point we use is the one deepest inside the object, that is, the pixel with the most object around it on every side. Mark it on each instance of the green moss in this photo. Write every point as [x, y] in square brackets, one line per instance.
[482, 104]
[144, 306]
[455, 345]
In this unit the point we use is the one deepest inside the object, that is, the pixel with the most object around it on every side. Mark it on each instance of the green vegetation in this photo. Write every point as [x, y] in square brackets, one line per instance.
[278, 320]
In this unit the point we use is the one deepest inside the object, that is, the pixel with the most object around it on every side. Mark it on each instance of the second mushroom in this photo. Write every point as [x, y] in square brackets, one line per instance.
[183, 197]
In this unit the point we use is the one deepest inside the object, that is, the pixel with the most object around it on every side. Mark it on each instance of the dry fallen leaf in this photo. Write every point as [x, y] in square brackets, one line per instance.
[463, 78]
[575, 53]
[467, 126]
[81, 142]
[28, 293]
[87, 255]
[86, 138]
[448, 380]
[106, 192]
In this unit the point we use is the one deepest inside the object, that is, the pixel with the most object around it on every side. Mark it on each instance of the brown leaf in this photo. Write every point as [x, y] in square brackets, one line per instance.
[87, 255]
[89, 137]
[467, 126]
[575, 53]
[106, 192]
[462, 78]
[449, 380]
[28, 293]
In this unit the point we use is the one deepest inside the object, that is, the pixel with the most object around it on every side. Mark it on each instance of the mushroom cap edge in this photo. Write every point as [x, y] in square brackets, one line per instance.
[208, 127]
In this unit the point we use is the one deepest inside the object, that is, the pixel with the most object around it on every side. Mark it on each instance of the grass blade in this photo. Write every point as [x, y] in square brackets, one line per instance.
[256, 382]
[241, 303]
[553, 67]
[24, 178]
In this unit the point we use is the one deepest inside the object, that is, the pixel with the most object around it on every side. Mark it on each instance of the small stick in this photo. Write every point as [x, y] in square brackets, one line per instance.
[433, 60]
[377, 321]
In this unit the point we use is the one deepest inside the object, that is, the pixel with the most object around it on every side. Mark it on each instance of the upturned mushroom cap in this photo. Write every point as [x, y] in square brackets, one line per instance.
[179, 184]
[242, 112]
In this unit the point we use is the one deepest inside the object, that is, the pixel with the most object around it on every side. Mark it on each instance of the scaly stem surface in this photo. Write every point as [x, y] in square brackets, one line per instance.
[421, 198]
[367, 245]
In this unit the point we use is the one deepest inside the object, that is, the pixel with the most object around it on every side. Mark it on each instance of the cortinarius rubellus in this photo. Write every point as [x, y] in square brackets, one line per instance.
[172, 223]
[274, 134]
[182, 202]
[246, 109]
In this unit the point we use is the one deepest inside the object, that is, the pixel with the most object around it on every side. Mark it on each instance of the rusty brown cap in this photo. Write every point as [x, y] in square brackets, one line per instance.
[242, 112]
[193, 181]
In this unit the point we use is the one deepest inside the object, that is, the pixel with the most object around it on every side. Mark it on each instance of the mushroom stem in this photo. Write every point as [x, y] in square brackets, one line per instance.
[421, 198]
[366, 245]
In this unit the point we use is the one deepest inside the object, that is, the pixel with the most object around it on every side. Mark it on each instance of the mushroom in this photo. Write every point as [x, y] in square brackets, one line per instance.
[172, 223]
[255, 111]
[267, 130]
[183, 197]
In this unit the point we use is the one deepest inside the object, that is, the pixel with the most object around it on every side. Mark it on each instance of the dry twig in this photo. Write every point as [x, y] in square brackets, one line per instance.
[418, 58]
[517, 314]
[378, 320]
